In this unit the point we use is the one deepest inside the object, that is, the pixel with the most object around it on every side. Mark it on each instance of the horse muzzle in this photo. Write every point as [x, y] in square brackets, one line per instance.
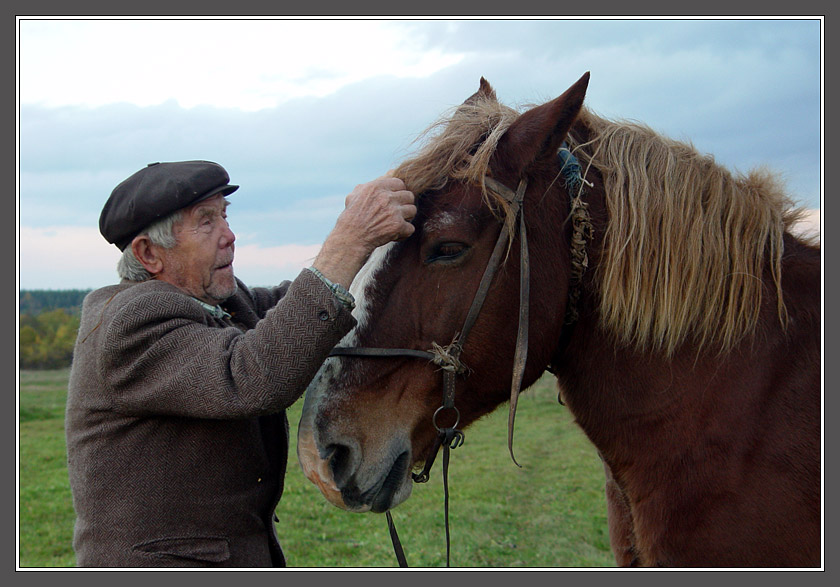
[336, 465]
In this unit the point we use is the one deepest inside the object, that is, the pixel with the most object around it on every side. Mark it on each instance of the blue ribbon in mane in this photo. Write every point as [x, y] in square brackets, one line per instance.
[570, 169]
[581, 226]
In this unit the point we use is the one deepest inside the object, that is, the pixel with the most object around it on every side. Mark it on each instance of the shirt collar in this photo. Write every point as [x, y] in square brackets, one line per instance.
[215, 311]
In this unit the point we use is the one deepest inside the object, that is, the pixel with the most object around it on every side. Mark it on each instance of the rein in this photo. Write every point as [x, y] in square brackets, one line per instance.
[448, 357]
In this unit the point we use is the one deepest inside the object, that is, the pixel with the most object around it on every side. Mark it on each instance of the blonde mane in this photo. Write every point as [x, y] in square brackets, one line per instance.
[687, 241]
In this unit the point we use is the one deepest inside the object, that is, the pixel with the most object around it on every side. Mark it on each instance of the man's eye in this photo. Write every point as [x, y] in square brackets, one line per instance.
[206, 225]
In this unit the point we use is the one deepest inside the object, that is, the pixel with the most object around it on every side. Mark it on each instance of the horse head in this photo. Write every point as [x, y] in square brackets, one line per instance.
[368, 421]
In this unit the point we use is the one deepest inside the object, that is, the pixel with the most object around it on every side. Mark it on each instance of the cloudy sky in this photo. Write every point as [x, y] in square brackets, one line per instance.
[300, 111]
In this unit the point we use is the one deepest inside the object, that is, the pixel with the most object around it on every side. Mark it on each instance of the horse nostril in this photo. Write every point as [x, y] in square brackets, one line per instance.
[339, 458]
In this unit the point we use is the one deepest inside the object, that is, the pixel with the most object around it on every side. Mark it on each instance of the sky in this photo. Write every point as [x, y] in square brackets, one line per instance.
[300, 111]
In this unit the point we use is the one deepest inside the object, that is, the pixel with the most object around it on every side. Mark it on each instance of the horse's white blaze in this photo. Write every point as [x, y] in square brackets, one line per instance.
[362, 284]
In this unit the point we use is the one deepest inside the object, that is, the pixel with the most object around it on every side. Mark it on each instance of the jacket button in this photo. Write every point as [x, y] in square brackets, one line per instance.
[323, 315]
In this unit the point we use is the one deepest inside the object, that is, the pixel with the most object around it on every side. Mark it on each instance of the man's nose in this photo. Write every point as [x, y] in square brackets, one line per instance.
[227, 236]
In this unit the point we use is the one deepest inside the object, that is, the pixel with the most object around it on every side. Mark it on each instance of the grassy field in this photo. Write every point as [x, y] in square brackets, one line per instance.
[550, 513]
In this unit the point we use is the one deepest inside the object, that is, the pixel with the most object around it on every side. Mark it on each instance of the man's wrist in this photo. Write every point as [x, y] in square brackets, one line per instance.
[341, 293]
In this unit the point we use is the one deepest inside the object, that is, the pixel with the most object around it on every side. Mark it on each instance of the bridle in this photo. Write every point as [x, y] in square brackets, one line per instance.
[448, 357]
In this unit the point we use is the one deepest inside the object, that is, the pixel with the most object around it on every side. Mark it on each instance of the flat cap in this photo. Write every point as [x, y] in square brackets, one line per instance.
[156, 191]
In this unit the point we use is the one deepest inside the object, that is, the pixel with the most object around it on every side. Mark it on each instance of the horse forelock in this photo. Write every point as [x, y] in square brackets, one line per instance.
[686, 241]
[458, 148]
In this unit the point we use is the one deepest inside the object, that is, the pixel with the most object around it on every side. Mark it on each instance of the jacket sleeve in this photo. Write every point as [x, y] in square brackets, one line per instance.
[260, 299]
[161, 355]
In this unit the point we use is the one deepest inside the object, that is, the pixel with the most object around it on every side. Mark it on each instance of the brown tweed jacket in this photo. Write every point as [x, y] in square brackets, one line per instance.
[177, 437]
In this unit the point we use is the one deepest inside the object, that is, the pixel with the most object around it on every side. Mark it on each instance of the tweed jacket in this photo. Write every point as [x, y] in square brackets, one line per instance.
[177, 437]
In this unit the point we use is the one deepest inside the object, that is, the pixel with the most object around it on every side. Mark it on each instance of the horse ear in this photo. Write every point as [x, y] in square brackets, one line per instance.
[539, 132]
[485, 91]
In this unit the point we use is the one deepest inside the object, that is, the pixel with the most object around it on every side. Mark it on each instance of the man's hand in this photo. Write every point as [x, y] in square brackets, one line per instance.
[375, 213]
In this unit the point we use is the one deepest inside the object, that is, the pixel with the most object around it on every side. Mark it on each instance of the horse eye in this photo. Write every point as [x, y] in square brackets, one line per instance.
[447, 252]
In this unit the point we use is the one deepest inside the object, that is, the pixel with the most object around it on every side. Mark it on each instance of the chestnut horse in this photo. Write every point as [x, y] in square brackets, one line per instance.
[668, 296]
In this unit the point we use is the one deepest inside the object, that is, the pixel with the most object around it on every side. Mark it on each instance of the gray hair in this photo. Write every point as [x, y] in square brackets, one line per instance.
[161, 233]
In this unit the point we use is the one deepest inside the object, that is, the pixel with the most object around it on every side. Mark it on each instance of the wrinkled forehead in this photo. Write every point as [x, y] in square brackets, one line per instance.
[209, 208]
[213, 204]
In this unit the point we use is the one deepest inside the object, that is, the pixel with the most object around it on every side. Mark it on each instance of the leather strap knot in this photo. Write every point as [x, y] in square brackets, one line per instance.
[448, 357]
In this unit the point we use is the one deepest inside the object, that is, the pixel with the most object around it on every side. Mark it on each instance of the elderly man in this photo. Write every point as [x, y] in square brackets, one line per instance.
[177, 437]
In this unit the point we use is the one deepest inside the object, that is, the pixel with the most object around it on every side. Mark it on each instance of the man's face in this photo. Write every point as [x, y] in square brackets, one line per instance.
[201, 262]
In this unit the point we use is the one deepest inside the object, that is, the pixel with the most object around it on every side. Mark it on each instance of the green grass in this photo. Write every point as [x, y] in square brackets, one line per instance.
[549, 513]
[45, 508]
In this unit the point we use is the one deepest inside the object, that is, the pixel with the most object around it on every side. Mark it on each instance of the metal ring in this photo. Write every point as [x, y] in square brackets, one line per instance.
[437, 411]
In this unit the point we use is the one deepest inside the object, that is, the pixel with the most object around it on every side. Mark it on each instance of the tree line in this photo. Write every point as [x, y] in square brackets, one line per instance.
[35, 301]
[49, 322]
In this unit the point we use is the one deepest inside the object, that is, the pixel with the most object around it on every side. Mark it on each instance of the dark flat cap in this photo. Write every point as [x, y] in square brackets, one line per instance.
[156, 191]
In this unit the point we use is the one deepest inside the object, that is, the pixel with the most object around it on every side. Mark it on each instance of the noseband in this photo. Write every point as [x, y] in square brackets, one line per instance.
[448, 357]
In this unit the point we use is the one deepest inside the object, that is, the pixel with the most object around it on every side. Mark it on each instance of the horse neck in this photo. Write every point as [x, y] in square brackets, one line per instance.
[620, 396]
[600, 381]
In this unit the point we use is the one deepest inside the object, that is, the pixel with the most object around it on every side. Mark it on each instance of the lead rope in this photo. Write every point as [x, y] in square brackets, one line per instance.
[446, 448]
[395, 540]
[447, 438]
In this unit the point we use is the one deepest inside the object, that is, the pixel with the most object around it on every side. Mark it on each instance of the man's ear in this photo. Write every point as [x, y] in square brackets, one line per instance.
[147, 253]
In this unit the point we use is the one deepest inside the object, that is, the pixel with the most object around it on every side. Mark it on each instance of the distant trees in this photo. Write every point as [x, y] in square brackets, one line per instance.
[34, 301]
[47, 339]
[49, 321]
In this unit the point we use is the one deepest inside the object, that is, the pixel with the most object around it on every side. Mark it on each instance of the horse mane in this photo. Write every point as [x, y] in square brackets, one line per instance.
[686, 242]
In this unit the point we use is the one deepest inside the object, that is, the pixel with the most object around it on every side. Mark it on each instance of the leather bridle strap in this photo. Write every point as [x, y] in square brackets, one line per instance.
[520, 356]
[359, 351]
[448, 358]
